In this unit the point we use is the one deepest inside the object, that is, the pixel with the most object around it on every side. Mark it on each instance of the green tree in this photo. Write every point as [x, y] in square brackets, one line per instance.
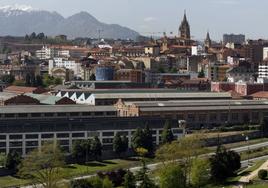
[264, 127]
[81, 151]
[172, 175]
[92, 77]
[33, 36]
[3, 159]
[137, 139]
[201, 74]
[167, 135]
[96, 148]
[8, 79]
[124, 143]
[148, 139]
[81, 183]
[186, 149]
[129, 180]
[96, 182]
[106, 183]
[224, 164]
[262, 174]
[117, 144]
[13, 160]
[40, 36]
[28, 80]
[38, 81]
[43, 167]
[57, 81]
[200, 172]
[142, 176]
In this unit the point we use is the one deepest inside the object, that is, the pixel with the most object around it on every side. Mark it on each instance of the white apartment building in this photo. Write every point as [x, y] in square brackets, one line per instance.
[65, 63]
[48, 53]
[263, 69]
[265, 53]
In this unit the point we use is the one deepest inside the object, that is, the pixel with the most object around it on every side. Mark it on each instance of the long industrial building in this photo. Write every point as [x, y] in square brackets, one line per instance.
[110, 97]
[199, 113]
[25, 127]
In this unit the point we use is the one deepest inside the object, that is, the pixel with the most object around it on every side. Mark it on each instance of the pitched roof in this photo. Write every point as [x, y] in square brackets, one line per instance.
[20, 89]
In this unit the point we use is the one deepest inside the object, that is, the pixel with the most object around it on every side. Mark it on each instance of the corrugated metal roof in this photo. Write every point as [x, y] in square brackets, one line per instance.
[162, 95]
[54, 108]
[44, 99]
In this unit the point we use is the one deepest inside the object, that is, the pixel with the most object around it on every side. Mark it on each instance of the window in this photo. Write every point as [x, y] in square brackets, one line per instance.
[213, 117]
[9, 115]
[47, 136]
[62, 135]
[202, 117]
[15, 144]
[98, 113]
[107, 140]
[191, 117]
[108, 134]
[74, 114]
[22, 115]
[2, 137]
[62, 114]
[32, 136]
[78, 135]
[36, 115]
[32, 143]
[15, 137]
[48, 114]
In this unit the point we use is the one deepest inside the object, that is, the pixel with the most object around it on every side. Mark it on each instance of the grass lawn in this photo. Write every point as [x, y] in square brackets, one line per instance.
[76, 170]
[265, 185]
[94, 167]
[9, 181]
[254, 153]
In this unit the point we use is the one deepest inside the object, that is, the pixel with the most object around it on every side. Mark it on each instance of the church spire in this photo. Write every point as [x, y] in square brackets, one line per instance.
[184, 29]
[208, 40]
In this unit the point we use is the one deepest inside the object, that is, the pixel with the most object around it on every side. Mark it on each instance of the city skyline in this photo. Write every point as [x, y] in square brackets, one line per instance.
[158, 17]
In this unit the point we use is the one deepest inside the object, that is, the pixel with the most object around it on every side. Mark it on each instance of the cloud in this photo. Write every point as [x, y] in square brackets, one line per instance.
[149, 19]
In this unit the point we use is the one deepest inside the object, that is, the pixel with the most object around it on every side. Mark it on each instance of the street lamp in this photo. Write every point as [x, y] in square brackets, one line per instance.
[247, 139]
[182, 125]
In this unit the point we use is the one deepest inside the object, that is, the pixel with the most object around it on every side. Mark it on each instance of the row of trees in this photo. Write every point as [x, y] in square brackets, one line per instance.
[190, 170]
[85, 150]
[34, 36]
[33, 81]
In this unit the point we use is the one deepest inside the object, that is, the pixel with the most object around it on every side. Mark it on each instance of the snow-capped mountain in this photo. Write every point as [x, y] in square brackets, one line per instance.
[16, 10]
[20, 20]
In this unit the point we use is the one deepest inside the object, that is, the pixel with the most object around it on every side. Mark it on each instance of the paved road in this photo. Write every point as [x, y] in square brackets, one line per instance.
[155, 165]
[251, 147]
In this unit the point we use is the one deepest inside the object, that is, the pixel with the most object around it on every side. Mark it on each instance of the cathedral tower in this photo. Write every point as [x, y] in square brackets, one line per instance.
[207, 41]
[184, 29]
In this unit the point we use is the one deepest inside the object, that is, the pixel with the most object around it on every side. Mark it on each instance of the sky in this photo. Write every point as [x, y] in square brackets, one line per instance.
[150, 17]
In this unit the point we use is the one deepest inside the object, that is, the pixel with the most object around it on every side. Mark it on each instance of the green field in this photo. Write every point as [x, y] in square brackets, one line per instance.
[75, 170]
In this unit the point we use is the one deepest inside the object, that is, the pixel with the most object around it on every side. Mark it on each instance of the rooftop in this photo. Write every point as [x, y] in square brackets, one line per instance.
[54, 108]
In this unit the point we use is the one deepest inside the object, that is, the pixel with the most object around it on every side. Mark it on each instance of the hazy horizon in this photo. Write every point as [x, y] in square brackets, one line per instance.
[217, 16]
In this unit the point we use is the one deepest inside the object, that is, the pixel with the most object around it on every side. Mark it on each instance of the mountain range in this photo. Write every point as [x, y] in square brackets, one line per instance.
[22, 20]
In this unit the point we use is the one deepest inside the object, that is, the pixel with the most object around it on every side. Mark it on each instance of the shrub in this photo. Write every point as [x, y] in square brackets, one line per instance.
[262, 174]
[81, 183]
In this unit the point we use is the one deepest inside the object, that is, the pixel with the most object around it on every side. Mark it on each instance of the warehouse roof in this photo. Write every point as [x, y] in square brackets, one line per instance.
[198, 95]
[187, 103]
[45, 99]
[204, 108]
[54, 108]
